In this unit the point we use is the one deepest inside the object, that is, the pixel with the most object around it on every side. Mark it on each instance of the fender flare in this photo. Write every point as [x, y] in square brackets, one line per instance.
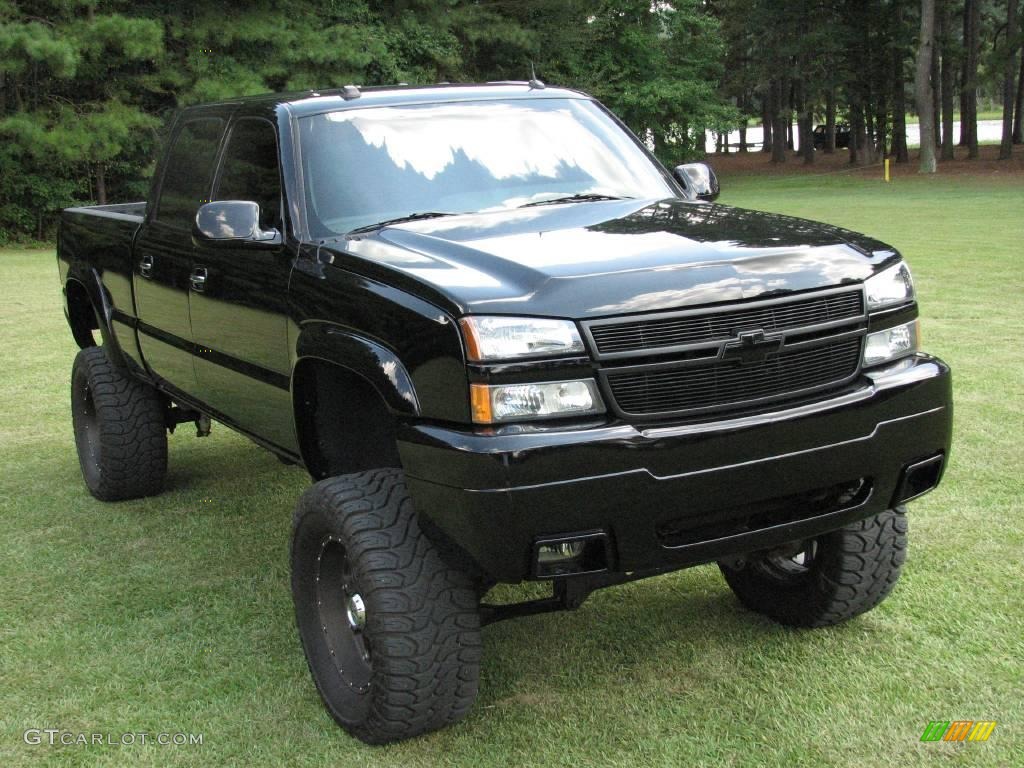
[372, 361]
[92, 283]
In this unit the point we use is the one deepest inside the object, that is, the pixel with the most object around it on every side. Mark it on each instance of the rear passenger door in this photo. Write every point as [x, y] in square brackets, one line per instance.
[163, 252]
[239, 296]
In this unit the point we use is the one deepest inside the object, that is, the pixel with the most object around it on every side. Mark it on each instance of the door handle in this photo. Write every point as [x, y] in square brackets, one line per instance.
[198, 279]
[146, 265]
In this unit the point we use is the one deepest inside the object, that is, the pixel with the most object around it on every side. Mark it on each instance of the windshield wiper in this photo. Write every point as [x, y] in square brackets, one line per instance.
[580, 197]
[401, 220]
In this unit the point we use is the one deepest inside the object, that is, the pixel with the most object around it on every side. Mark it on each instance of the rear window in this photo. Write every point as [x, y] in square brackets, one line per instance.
[188, 171]
[250, 169]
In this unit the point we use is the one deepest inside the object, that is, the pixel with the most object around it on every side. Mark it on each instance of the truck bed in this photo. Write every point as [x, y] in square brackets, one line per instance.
[94, 247]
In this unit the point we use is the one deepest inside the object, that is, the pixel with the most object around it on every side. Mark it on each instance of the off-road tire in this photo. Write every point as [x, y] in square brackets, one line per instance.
[120, 429]
[413, 666]
[852, 570]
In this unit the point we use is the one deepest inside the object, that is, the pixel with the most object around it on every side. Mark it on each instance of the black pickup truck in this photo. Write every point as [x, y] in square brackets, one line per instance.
[508, 345]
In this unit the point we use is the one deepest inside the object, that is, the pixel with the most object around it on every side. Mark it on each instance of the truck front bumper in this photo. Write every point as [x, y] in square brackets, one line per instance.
[669, 496]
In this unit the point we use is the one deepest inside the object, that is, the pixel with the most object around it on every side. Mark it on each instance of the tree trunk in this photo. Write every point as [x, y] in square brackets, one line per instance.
[788, 94]
[947, 81]
[19, 101]
[1018, 134]
[830, 121]
[767, 118]
[935, 79]
[101, 184]
[1009, 95]
[899, 103]
[779, 120]
[745, 110]
[858, 135]
[806, 137]
[854, 123]
[882, 128]
[923, 87]
[965, 39]
[969, 81]
[870, 143]
[881, 124]
[805, 120]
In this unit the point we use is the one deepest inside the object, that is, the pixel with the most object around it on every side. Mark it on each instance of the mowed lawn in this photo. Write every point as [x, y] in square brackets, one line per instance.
[174, 614]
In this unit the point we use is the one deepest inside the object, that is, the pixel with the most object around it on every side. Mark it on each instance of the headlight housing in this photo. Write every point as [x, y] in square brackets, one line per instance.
[892, 343]
[507, 338]
[496, 403]
[889, 288]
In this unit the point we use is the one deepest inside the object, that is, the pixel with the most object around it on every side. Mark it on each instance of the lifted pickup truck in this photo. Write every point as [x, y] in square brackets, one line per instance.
[509, 345]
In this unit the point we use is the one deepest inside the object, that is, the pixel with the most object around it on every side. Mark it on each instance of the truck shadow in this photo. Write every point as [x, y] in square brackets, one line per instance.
[667, 626]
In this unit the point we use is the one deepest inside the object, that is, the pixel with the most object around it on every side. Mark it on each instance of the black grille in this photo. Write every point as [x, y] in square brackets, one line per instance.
[640, 335]
[724, 385]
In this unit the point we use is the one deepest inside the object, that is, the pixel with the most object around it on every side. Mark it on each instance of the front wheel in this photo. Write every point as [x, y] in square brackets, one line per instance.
[390, 631]
[826, 580]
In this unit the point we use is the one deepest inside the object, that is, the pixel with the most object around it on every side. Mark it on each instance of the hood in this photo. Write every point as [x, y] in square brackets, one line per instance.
[586, 260]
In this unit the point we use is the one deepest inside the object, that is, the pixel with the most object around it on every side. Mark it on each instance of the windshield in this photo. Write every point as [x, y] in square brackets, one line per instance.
[365, 166]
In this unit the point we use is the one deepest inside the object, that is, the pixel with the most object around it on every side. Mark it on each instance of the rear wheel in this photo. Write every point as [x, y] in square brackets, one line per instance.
[826, 580]
[390, 631]
[120, 429]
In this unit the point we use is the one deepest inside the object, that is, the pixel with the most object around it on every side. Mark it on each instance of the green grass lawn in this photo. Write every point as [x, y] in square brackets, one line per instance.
[174, 613]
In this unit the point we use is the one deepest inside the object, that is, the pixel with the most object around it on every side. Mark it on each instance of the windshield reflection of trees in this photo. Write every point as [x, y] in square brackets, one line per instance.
[364, 166]
[386, 188]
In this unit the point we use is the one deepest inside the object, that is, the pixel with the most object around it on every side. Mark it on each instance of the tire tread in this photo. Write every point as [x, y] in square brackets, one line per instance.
[859, 566]
[132, 459]
[422, 614]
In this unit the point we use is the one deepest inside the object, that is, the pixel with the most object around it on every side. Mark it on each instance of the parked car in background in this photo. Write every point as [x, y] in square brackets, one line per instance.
[821, 136]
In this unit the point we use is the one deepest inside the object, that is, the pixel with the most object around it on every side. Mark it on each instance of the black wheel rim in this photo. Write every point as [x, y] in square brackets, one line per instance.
[87, 431]
[790, 564]
[341, 610]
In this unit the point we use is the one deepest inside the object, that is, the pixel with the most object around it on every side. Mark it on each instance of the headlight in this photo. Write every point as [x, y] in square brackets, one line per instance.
[898, 341]
[516, 402]
[505, 338]
[889, 288]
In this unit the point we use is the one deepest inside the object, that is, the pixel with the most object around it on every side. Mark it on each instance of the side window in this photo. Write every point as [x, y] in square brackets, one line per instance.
[189, 167]
[249, 170]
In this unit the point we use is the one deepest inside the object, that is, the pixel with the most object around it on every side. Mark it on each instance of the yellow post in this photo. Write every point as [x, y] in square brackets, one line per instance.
[887, 170]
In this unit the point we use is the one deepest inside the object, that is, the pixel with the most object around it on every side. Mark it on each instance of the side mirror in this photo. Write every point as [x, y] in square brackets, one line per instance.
[697, 180]
[233, 220]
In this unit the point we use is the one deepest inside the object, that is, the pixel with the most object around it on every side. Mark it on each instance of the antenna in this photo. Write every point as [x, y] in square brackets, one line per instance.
[534, 82]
